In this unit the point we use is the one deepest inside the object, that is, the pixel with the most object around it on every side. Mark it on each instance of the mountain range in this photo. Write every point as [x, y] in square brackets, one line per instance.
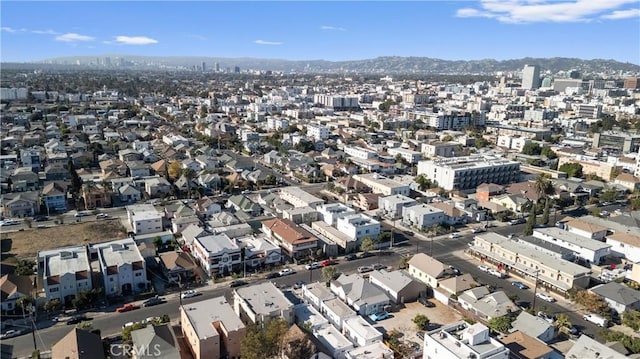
[381, 65]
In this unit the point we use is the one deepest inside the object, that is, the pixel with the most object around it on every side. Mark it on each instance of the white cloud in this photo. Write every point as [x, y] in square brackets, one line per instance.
[45, 32]
[332, 28]
[262, 42]
[73, 37]
[135, 40]
[528, 11]
[622, 14]
[8, 29]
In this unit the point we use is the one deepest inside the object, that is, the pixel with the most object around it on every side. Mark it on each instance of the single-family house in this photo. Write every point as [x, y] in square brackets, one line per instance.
[14, 287]
[486, 305]
[619, 297]
[78, 344]
[398, 285]
[154, 341]
[533, 326]
[364, 297]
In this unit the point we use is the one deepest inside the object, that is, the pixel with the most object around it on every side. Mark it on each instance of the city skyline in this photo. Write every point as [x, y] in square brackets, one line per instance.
[333, 31]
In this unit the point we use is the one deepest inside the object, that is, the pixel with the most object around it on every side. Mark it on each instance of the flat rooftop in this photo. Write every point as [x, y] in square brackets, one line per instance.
[574, 239]
[67, 260]
[454, 336]
[123, 251]
[264, 298]
[203, 314]
[218, 243]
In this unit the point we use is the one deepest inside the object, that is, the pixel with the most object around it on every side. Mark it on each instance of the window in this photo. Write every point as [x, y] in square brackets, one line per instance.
[111, 279]
[138, 274]
[53, 290]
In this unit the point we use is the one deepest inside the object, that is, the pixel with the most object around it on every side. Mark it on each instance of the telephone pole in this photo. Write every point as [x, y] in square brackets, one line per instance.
[535, 290]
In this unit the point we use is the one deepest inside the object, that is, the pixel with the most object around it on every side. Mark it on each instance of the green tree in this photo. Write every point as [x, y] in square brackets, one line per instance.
[52, 305]
[24, 267]
[571, 169]
[545, 213]
[631, 318]
[85, 325]
[327, 273]
[447, 138]
[531, 222]
[609, 195]
[480, 142]
[157, 242]
[592, 302]
[635, 204]
[548, 153]
[76, 181]
[367, 244]
[404, 262]
[421, 321]
[500, 324]
[263, 342]
[531, 149]
[126, 332]
[543, 187]
[423, 182]
[562, 323]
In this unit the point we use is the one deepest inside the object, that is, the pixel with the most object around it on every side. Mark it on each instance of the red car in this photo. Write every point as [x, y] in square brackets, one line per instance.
[126, 308]
[327, 262]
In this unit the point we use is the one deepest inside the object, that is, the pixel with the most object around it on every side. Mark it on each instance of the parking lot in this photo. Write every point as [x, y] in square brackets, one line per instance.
[402, 320]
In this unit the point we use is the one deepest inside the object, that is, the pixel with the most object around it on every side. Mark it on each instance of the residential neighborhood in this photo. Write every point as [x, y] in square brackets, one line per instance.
[359, 217]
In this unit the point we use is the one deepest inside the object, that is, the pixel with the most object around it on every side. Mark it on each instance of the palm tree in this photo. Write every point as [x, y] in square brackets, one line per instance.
[543, 187]
[562, 323]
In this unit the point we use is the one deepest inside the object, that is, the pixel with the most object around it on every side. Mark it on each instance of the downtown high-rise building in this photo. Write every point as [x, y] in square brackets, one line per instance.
[530, 77]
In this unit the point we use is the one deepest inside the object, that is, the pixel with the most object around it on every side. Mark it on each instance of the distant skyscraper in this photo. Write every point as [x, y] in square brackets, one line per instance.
[217, 67]
[574, 74]
[236, 69]
[530, 77]
[204, 66]
[107, 61]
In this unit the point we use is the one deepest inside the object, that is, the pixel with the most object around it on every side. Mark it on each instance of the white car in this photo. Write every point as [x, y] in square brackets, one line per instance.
[483, 268]
[286, 271]
[102, 215]
[545, 297]
[313, 265]
[454, 235]
[8, 222]
[189, 294]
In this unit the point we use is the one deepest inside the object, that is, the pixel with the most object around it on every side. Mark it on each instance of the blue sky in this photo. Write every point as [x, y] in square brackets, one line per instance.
[329, 30]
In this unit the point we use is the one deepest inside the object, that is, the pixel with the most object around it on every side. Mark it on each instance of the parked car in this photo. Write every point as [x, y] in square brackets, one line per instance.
[365, 269]
[273, 275]
[128, 324]
[455, 270]
[153, 301]
[286, 271]
[10, 333]
[82, 214]
[408, 233]
[426, 302]
[190, 294]
[40, 218]
[549, 318]
[379, 266]
[497, 273]
[513, 222]
[350, 257]
[328, 262]
[77, 319]
[454, 235]
[379, 316]
[8, 222]
[237, 283]
[477, 230]
[366, 255]
[102, 215]
[313, 265]
[596, 319]
[299, 284]
[420, 335]
[520, 285]
[483, 268]
[126, 308]
[546, 297]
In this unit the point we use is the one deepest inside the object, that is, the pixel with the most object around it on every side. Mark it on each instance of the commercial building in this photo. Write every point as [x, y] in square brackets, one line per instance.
[531, 262]
[617, 141]
[211, 329]
[531, 77]
[124, 271]
[461, 340]
[440, 149]
[383, 185]
[407, 155]
[360, 152]
[317, 132]
[469, 172]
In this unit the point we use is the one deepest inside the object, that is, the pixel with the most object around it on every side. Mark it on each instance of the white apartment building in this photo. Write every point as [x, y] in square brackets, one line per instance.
[217, 253]
[262, 302]
[144, 219]
[123, 268]
[360, 332]
[512, 142]
[299, 198]
[337, 102]
[174, 140]
[422, 216]
[461, 340]
[358, 226]
[440, 149]
[407, 155]
[317, 132]
[383, 185]
[583, 247]
[277, 124]
[331, 212]
[360, 152]
[469, 172]
[66, 272]
[391, 206]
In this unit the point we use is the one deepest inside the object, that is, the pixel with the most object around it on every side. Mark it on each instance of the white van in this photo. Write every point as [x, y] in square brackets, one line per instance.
[596, 319]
